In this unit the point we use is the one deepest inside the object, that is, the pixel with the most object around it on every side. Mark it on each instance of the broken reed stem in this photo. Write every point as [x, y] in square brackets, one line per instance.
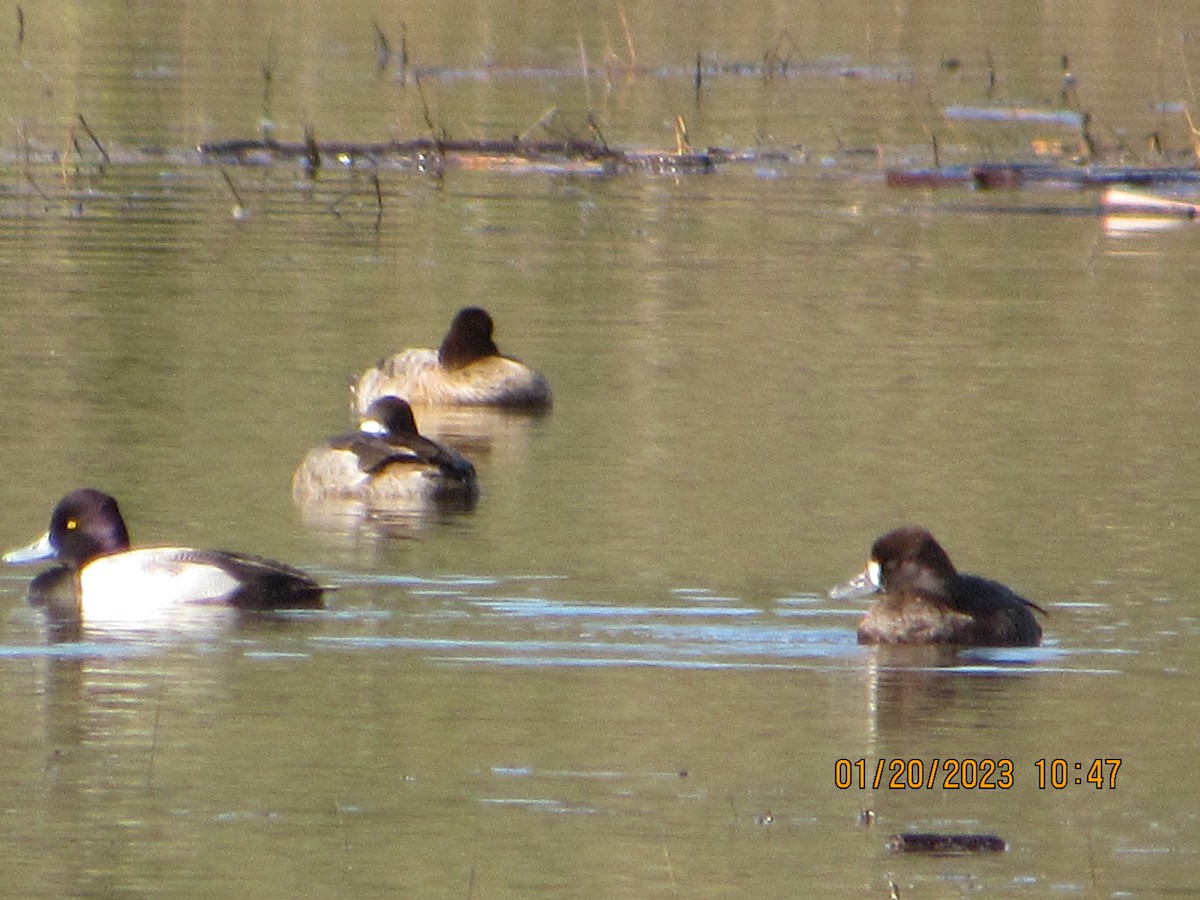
[587, 88]
[378, 200]
[20, 27]
[65, 156]
[403, 58]
[268, 74]
[433, 132]
[628, 36]
[683, 143]
[595, 131]
[544, 122]
[312, 153]
[95, 140]
[232, 188]
[670, 871]
[383, 52]
[36, 187]
[1193, 134]
[775, 62]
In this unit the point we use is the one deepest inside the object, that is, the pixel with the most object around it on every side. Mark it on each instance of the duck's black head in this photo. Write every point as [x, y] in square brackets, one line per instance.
[390, 416]
[469, 338]
[85, 524]
[910, 560]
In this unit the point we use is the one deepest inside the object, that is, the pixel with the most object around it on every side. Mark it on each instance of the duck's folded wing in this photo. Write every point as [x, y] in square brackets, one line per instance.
[376, 453]
[263, 583]
[981, 596]
[373, 453]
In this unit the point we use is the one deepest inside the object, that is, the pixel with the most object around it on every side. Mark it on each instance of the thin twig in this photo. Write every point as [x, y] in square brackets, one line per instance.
[587, 88]
[933, 142]
[239, 208]
[404, 50]
[378, 200]
[682, 143]
[232, 188]
[95, 140]
[383, 52]
[670, 871]
[268, 75]
[546, 118]
[425, 108]
[597, 133]
[628, 36]
[34, 184]
[312, 153]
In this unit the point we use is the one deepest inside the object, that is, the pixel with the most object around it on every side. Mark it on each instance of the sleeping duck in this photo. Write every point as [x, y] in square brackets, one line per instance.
[467, 370]
[387, 461]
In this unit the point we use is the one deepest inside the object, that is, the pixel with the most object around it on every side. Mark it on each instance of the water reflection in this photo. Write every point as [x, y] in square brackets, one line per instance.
[358, 523]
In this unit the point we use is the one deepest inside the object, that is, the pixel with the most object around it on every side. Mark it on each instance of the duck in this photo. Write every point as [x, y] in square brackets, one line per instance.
[103, 577]
[387, 460]
[466, 370]
[927, 601]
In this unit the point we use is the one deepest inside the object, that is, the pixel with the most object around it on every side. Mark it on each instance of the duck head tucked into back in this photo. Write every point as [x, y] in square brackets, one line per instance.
[386, 462]
[468, 369]
[103, 578]
[469, 338]
[927, 601]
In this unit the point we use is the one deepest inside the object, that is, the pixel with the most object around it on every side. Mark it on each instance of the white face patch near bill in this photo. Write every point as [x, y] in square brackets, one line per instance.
[873, 574]
[373, 426]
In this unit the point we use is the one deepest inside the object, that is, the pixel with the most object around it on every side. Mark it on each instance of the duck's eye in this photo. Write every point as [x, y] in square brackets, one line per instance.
[72, 524]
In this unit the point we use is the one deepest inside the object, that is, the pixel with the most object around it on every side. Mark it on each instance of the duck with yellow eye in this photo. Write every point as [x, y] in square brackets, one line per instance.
[103, 578]
[924, 599]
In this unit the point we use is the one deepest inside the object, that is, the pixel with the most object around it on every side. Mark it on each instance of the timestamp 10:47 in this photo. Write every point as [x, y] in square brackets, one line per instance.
[1061, 773]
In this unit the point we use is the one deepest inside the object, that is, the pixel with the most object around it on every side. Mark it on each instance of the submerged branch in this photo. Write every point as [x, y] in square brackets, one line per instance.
[594, 155]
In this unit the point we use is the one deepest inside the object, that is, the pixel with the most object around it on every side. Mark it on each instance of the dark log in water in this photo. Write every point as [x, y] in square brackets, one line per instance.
[946, 843]
[576, 154]
[1011, 175]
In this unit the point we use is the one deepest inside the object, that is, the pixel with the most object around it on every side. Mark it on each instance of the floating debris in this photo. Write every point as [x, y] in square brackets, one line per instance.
[570, 156]
[946, 843]
[1126, 202]
[1026, 115]
[1011, 175]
